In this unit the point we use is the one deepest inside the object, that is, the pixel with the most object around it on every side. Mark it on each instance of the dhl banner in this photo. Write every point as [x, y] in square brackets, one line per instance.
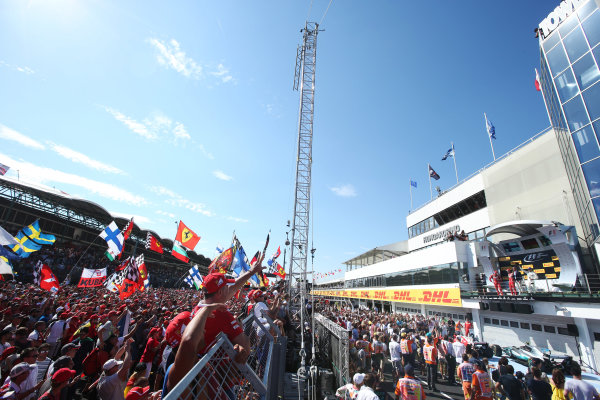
[440, 297]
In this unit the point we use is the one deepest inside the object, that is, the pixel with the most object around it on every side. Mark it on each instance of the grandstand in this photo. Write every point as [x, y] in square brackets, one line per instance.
[77, 222]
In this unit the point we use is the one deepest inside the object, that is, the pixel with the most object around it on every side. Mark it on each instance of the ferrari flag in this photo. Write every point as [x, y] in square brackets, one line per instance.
[153, 244]
[186, 237]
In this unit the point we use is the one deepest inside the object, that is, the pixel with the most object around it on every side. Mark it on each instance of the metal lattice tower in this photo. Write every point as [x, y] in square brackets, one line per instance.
[304, 81]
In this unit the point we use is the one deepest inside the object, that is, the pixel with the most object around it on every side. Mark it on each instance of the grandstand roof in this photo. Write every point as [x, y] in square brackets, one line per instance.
[78, 204]
[380, 253]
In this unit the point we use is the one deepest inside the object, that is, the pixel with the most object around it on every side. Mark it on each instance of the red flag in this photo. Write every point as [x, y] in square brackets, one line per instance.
[280, 271]
[538, 87]
[48, 281]
[123, 265]
[92, 277]
[186, 237]
[153, 244]
[222, 263]
[127, 289]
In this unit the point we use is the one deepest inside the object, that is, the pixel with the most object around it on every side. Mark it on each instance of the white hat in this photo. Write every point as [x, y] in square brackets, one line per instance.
[110, 364]
[20, 369]
[358, 378]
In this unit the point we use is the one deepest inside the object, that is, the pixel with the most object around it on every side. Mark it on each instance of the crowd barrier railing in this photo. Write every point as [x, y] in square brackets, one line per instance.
[338, 348]
[217, 376]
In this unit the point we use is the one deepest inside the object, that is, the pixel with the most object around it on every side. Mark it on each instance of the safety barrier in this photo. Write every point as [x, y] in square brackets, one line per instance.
[333, 350]
[217, 376]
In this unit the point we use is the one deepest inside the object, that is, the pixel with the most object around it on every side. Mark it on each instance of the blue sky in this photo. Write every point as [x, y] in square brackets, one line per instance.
[185, 110]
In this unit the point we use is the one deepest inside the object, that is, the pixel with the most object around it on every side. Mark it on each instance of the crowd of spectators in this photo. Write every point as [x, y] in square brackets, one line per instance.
[88, 343]
[439, 348]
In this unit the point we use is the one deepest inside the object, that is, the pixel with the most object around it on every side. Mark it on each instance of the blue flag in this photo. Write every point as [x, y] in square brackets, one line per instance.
[26, 246]
[240, 262]
[9, 255]
[34, 232]
[449, 153]
[490, 128]
[413, 183]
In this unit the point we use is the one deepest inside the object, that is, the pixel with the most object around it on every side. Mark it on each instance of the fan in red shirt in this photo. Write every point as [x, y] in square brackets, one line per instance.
[152, 346]
[217, 289]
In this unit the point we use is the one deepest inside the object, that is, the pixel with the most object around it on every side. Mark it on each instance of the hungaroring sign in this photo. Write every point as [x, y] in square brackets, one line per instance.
[92, 277]
[441, 297]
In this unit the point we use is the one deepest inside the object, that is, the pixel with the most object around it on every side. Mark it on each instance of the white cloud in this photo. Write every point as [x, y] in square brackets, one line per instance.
[81, 158]
[222, 73]
[163, 191]
[11, 134]
[134, 126]
[166, 214]
[180, 132]
[153, 127]
[171, 56]
[25, 70]
[178, 200]
[222, 175]
[344, 190]
[137, 219]
[37, 174]
[237, 219]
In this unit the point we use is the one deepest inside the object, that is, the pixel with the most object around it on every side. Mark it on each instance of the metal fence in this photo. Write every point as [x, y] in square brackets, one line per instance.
[217, 376]
[333, 351]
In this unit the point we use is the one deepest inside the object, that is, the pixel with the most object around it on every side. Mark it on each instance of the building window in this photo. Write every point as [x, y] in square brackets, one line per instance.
[575, 113]
[514, 324]
[592, 100]
[591, 171]
[536, 327]
[575, 44]
[562, 331]
[504, 323]
[549, 329]
[495, 322]
[487, 321]
[524, 325]
[597, 336]
[557, 59]
[586, 144]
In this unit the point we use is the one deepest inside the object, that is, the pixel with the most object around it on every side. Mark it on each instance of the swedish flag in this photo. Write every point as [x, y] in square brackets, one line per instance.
[26, 246]
[34, 232]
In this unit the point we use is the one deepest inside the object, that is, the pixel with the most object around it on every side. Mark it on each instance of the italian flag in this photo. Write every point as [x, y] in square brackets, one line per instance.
[179, 252]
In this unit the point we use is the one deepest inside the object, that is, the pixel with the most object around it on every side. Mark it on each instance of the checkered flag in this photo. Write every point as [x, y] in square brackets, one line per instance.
[133, 274]
[37, 273]
[113, 283]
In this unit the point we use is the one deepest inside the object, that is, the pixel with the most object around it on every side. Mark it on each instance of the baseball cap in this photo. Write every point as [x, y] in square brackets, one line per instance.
[20, 369]
[258, 293]
[63, 375]
[113, 313]
[215, 281]
[358, 378]
[67, 347]
[110, 364]
[137, 393]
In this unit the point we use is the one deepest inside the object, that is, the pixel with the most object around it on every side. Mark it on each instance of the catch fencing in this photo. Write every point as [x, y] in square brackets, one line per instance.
[333, 350]
[217, 376]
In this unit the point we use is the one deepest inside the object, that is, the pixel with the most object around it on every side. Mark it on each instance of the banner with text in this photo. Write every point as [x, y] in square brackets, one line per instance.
[92, 277]
[440, 297]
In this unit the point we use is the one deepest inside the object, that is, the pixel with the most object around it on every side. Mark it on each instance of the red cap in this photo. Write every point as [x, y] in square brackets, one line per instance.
[137, 393]
[63, 375]
[7, 352]
[213, 282]
[153, 331]
[94, 316]
[251, 294]
[113, 313]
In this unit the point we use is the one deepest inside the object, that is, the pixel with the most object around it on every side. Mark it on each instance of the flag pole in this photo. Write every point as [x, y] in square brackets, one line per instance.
[429, 174]
[68, 278]
[489, 136]
[410, 190]
[454, 158]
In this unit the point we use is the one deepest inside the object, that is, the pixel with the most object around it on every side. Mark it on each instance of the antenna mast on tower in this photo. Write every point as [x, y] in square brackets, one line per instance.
[304, 81]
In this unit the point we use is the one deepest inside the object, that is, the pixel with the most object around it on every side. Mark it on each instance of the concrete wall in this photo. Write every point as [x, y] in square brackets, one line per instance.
[532, 184]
